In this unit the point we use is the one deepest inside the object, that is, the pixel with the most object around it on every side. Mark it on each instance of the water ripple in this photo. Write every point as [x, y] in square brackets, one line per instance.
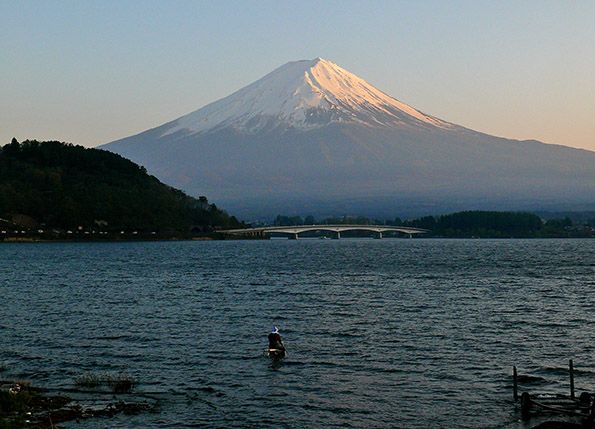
[379, 332]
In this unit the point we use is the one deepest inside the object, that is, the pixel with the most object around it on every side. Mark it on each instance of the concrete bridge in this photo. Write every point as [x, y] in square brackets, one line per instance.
[293, 231]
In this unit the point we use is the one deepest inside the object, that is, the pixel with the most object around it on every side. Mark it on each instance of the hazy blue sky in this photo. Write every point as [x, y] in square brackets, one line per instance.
[92, 72]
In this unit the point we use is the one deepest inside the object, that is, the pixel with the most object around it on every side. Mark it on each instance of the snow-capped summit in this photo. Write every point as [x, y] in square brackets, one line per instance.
[304, 94]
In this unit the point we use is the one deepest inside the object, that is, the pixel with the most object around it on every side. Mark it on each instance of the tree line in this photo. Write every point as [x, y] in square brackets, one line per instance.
[485, 224]
[60, 185]
[336, 220]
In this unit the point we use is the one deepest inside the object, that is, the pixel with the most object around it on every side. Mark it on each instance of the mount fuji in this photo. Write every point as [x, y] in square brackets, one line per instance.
[312, 138]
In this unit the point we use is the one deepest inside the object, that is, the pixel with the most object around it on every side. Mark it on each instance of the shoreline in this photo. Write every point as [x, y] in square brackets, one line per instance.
[23, 405]
[227, 237]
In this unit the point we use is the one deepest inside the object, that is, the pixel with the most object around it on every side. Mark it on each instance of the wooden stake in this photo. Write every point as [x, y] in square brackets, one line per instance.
[571, 379]
[515, 391]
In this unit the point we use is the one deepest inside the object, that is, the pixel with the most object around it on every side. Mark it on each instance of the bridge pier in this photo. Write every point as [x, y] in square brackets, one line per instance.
[336, 235]
[378, 235]
[293, 236]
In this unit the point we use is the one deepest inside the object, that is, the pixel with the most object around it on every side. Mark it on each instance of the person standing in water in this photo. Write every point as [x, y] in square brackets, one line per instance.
[275, 340]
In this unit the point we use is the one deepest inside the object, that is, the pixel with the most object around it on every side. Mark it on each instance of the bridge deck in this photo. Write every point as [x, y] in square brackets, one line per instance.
[336, 229]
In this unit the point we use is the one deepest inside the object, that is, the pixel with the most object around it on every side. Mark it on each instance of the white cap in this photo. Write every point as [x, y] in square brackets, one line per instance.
[275, 330]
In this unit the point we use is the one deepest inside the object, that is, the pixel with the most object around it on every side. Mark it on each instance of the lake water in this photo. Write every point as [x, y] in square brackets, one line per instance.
[393, 332]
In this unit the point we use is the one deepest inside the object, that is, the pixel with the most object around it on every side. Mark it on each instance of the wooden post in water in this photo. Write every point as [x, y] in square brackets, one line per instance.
[515, 391]
[571, 369]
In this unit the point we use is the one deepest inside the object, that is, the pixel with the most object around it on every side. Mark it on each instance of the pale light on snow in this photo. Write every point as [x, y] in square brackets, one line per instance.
[312, 136]
[294, 92]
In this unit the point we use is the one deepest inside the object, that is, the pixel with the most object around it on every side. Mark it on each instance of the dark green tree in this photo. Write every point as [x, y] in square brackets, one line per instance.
[67, 186]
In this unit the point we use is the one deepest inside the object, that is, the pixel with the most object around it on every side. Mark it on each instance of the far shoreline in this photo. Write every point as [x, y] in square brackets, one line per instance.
[229, 237]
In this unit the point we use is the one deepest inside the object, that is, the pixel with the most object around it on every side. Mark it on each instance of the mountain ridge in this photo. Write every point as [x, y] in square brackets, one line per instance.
[312, 131]
[64, 186]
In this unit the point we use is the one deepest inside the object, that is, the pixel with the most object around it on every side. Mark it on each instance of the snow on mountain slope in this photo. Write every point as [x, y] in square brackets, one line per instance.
[312, 137]
[305, 95]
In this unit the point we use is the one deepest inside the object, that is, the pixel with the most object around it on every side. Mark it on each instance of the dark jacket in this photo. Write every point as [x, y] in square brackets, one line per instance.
[275, 341]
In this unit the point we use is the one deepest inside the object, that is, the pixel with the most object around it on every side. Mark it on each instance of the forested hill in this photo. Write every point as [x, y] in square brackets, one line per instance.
[63, 186]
